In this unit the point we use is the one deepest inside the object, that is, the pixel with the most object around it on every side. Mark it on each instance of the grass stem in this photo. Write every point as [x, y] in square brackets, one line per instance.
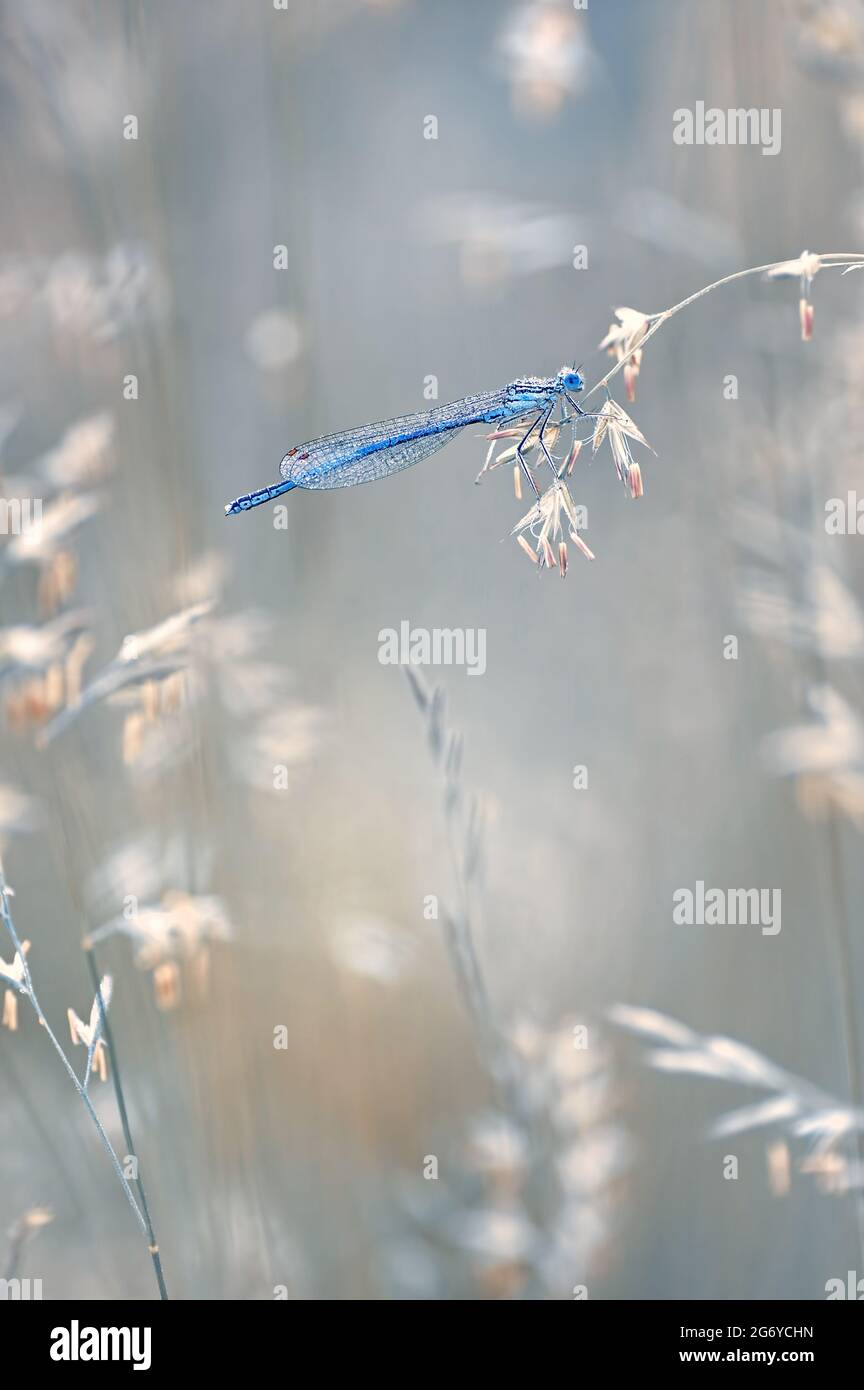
[90, 953]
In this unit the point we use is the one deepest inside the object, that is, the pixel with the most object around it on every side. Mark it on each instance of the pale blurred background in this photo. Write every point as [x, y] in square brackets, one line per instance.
[407, 258]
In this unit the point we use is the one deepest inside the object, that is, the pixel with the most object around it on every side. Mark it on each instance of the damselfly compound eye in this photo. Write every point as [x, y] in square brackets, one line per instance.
[573, 381]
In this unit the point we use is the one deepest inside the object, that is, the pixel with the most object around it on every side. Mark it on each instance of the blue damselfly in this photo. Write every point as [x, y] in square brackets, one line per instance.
[375, 451]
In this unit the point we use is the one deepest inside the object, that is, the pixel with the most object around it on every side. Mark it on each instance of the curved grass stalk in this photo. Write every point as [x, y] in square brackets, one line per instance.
[26, 988]
[829, 260]
[153, 1244]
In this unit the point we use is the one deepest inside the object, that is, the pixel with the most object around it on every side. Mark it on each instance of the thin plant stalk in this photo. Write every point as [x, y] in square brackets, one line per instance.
[459, 933]
[463, 839]
[155, 1255]
[30, 994]
[830, 260]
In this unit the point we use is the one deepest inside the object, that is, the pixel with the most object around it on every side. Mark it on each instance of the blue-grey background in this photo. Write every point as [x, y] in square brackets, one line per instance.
[410, 257]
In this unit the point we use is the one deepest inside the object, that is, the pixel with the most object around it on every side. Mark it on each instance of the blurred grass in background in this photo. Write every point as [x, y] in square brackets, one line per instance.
[407, 257]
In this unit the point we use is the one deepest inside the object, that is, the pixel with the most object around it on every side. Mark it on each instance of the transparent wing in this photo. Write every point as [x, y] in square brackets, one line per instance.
[374, 451]
[326, 467]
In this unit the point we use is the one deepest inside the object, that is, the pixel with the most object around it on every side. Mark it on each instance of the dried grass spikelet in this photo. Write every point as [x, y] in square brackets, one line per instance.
[806, 313]
[38, 698]
[545, 523]
[13, 973]
[167, 986]
[133, 736]
[29, 1222]
[150, 699]
[14, 711]
[54, 687]
[74, 669]
[834, 31]
[173, 690]
[171, 936]
[807, 1113]
[10, 1011]
[91, 1034]
[614, 424]
[27, 707]
[805, 268]
[57, 582]
[199, 971]
[819, 795]
[828, 1169]
[497, 1148]
[526, 547]
[510, 455]
[503, 1280]
[25, 1229]
[779, 1163]
[192, 919]
[853, 115]
[622, 342]
[575, 451]
[157, 699]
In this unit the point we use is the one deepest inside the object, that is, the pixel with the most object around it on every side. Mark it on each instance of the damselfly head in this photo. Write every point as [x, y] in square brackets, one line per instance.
[569, 379]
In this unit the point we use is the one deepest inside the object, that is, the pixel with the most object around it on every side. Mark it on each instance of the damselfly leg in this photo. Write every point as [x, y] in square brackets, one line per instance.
[578, 412]
[522, 464]
[541, 441]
